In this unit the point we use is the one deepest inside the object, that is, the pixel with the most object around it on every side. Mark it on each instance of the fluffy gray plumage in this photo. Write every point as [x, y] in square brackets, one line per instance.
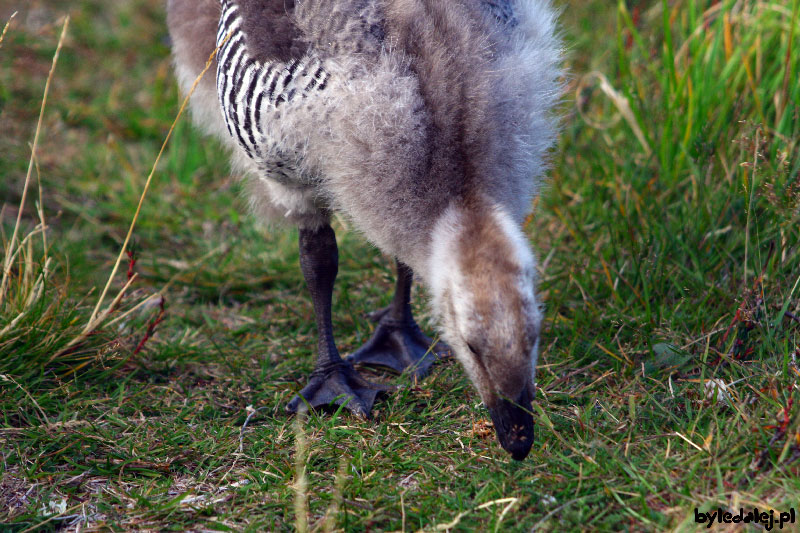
[426, 102]
[426, 123]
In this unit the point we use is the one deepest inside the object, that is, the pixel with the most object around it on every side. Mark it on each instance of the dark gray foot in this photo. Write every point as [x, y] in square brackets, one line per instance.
[398, 345]
[337, 385]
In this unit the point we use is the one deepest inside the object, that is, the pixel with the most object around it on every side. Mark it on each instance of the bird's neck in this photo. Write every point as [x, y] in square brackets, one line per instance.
[476, 247]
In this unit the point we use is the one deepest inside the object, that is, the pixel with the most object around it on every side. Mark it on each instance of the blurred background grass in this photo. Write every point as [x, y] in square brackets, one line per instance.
[668, 239]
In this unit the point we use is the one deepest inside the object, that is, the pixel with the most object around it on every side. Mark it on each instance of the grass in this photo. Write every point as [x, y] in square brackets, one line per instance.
[668, 238]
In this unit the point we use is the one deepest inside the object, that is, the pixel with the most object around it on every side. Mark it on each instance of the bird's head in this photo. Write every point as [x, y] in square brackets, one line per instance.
[481, 274]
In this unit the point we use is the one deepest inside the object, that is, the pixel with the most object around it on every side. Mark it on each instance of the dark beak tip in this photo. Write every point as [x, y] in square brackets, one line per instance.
[519, 455]
[518, 441]
[514, 428]
[519, 448]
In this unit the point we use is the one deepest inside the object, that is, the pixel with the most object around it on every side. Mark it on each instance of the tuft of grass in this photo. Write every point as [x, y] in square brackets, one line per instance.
[670, 268]
[35, 317]
[40, 332]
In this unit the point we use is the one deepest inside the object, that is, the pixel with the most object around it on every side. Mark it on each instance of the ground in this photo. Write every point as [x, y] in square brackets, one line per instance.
[667, 236]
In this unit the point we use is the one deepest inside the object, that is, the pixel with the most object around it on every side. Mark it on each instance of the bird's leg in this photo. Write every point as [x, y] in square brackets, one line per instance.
[398, 342]
[333, 380]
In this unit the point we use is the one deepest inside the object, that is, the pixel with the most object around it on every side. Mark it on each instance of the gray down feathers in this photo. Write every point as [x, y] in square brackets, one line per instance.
[429, 102]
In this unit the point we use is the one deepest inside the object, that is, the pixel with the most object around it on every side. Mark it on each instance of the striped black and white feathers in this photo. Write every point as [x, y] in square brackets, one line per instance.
[246, 86]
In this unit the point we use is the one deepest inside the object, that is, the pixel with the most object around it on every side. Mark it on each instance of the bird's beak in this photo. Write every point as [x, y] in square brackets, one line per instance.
[513, 423]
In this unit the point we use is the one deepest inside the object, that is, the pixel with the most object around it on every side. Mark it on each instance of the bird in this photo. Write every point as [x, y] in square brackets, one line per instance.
[427, 125]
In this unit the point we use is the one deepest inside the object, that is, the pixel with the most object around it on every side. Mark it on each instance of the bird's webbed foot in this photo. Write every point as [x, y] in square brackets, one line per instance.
[399, 345]
[338, 384]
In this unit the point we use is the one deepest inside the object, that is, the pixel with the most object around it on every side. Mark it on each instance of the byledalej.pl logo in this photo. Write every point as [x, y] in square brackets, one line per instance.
[767, 519]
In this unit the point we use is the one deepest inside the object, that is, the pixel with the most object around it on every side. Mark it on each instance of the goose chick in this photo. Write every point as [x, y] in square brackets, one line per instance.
[426, 124]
